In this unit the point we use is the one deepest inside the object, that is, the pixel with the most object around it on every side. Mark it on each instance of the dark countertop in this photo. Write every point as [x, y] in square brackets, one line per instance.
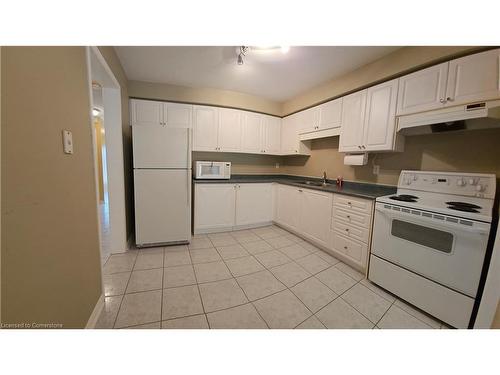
[356, 189]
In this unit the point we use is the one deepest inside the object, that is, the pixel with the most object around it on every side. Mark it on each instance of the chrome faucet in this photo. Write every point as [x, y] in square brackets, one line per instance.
[324, 178]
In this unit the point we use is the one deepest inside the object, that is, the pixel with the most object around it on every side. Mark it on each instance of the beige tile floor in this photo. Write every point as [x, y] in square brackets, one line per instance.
[255, 278]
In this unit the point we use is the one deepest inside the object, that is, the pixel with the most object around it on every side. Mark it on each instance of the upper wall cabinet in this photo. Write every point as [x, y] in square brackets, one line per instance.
[271, 135]
[465, 80]
[290, 141]
[206, 125]
[146, 112]
[320, 121]
[149, 112]
[474, 78]
[369, 120]
[229, 135]
[251, 132]
[423, 90]
[330, 114]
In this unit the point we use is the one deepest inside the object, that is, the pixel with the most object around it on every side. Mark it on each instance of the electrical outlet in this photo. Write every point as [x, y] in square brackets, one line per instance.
[277, 165]
[376, 169]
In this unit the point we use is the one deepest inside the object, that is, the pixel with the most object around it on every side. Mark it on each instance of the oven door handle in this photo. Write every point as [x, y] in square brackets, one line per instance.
[482, 231]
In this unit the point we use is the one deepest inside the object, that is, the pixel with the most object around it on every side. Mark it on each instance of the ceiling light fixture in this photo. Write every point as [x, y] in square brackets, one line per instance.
[243, 51]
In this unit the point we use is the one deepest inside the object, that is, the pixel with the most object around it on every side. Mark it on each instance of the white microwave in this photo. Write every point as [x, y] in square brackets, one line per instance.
[215, 170]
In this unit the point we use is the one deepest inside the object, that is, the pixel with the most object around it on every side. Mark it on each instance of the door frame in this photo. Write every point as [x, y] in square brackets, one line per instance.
[111, 92]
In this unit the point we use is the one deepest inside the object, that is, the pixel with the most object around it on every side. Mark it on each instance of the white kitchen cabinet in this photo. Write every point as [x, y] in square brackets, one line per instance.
[288, 206]
[474, 78]
[214, 207]
[308, 120]
[251, 132]
[229, 134]
[271, 134]
[330, 114]
[380, 122]
[206, 125]
[254, 203]
[353, 118]
[178, 115]
[315, 215]
[290, 142]
[369, 120]
[146, 112]
[149, 112]
[423, 90]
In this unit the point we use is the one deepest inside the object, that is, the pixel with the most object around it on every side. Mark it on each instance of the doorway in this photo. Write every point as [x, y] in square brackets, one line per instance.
[105, 99]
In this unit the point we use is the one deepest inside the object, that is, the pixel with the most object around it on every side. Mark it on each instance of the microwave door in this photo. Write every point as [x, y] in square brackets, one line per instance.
[438, 250]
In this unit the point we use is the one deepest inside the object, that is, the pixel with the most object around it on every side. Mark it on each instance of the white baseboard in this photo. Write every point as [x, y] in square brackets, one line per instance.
[91, 323]
[231, 228]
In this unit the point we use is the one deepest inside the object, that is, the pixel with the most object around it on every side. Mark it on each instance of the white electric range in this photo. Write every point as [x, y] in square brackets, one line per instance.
[430, 240]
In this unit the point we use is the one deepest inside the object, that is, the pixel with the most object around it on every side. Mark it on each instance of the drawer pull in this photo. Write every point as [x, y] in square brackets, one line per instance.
[345, 247]
[349, 203]
[348, 216]
[347, 229]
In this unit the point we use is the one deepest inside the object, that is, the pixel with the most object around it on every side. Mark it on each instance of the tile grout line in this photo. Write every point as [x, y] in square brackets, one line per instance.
[198, 287]
[126, 286]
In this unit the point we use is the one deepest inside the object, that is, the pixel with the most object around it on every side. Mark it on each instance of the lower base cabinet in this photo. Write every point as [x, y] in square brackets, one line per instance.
[225, 207]
[334, 222]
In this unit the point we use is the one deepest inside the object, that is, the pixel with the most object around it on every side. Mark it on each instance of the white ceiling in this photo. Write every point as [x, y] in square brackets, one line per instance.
[269, 74]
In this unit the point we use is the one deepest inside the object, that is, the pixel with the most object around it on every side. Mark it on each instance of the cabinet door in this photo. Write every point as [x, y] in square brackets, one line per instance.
[315, 215]
[353, 116]
[214, 206]
[272, 135]
[474, 78]
[178, 115]
[287, 206]
[308, 120]
[330, 114]
[251, 133]
[356, 251]
[229, 139]
[146, 112]
[254, 204]
[423, 90]
[205, 128]
[380, 118]
[289, 136]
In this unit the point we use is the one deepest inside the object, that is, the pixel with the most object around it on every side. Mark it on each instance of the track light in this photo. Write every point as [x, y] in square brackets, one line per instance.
[243, 51]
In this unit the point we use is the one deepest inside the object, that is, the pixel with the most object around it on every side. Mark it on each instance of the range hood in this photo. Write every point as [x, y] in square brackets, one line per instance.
[480, 115]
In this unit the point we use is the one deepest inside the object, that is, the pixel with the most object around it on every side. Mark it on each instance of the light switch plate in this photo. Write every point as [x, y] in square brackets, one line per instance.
[67, 142]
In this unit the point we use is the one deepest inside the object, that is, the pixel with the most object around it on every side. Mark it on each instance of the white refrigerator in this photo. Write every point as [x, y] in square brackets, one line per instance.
[162, 184]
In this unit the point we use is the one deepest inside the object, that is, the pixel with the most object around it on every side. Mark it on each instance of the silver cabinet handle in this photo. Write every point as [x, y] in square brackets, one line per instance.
[363, 147]
[449, 99]
[300, 190]
[442, 100]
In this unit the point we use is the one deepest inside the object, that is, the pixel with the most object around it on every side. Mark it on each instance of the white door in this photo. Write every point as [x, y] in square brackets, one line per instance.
[287, 206]
[178, 115]
[315, 215]
[161, 147]
[353, 116]
[229, 139]
[272, 135]
[162, 205]
[330, 114]
[474, 78]
[146, 112]
[423, 90]
[206, 125]
[214, 206]
[251, 133]
[380, 118]
[254, 204]
[308, 120]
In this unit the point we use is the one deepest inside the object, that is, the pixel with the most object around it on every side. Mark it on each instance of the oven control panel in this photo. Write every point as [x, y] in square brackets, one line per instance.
[466, 184]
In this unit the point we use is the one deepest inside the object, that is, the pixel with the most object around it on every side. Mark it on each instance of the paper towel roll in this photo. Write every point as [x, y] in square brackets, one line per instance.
[356, 159]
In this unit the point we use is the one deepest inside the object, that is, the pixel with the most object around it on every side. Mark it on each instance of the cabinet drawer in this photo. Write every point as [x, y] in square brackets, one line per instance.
[354, 232]
[352, 203]
[350, 217]
[355, 250]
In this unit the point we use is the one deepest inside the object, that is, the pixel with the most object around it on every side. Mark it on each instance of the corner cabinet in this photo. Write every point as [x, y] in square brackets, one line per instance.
[369, 120]
[206, 128]
[290, 141]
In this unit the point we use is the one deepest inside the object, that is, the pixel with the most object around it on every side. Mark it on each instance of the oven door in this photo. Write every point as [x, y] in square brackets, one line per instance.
[433, 246]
